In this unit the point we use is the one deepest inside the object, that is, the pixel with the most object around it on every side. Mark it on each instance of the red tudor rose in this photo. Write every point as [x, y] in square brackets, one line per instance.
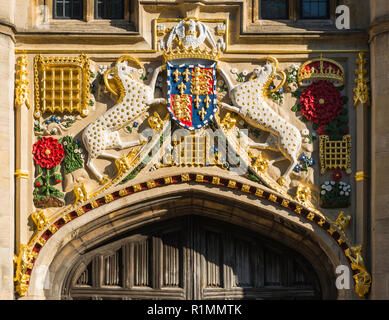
[337, 175]
[48, 152]
[321, 102]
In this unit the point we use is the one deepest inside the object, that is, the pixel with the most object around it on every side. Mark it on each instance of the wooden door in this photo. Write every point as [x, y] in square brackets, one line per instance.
[191, 258]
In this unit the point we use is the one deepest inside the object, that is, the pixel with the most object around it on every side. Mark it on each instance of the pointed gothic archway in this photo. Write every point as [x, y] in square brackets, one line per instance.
[69, 245]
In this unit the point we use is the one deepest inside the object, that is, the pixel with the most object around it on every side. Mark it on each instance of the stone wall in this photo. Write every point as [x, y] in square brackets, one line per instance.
[379, 37]
[7, 64]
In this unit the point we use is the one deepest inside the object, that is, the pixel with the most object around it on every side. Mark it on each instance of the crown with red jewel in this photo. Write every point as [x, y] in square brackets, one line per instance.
[321, 69]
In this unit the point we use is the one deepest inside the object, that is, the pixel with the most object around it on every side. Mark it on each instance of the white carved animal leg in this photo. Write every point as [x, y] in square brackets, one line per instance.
[231, 108]
[109, 155]
[117, 142]
[159, 101]
[124, 145]
[258, 145]
[92, 168]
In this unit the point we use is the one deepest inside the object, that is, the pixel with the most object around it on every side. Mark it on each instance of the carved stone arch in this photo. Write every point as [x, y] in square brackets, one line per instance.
[235, 207]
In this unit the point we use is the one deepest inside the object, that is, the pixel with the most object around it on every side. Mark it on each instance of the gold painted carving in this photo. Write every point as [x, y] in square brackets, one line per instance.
[66, 218]
[285, 203]
[303, 194]
[39, 219]
[108, 198]
[23, 262]
[182, 52]
[311, 216]
[361, 176]
[335, 154]
[181, 107]
[94, 203]
[137, 187]
[199, 178]
[328, 70]
[80, 211]
[228, 122]
[260, 164]
[246, 188]
[150, 184]
[216, 180]
[21, 174]
[362, 278]
[273, 198]
[21, 83]
[342, 221]
[62, 85]
[168, 180]
[231, 184]
[259, 193]
[155, 122]
[362, 90]
[80, 194]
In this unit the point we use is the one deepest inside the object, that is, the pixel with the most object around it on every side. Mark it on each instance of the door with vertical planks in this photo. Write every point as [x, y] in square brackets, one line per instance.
[191, 257]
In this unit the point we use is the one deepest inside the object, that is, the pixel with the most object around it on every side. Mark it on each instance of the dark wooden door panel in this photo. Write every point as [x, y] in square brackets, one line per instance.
[191, 258]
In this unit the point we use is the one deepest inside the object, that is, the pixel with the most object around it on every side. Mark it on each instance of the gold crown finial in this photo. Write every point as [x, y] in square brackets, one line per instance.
[321, 69]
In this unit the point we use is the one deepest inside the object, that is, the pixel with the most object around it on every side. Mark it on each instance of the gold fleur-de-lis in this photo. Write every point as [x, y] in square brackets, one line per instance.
[207, 101]
[182, 88]
[197, 100]
[176, 75]
[202, 114]
[186, 75]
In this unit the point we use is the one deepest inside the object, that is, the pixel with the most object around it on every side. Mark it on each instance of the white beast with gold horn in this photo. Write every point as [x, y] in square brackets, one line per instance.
[135, 98]
[249, 101]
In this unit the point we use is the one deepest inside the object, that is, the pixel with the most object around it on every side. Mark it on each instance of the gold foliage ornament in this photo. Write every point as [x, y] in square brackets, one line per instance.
[21, 83]
[362, 90]
[80, 194]
[303, 194]
[24, 261]
[228, 122]
[342, 221]
[362, 277]
[39, 219]
[22, 264]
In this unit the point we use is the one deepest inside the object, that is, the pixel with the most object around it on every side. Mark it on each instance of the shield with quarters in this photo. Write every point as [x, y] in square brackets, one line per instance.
[192, 94]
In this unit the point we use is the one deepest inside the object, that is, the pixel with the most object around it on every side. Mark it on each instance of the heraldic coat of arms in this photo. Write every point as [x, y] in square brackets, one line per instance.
[191, 81]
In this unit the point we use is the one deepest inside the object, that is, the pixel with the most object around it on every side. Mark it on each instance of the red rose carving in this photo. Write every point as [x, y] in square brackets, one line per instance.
[48, 152]
[321, 102]
[337, 175]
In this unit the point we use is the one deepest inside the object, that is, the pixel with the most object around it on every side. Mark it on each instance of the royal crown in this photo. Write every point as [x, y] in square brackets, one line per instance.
[321, 69]
[182, 52]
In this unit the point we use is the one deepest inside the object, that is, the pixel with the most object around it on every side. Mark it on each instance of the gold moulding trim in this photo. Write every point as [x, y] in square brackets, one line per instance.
[361, 176]
[22, 174]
